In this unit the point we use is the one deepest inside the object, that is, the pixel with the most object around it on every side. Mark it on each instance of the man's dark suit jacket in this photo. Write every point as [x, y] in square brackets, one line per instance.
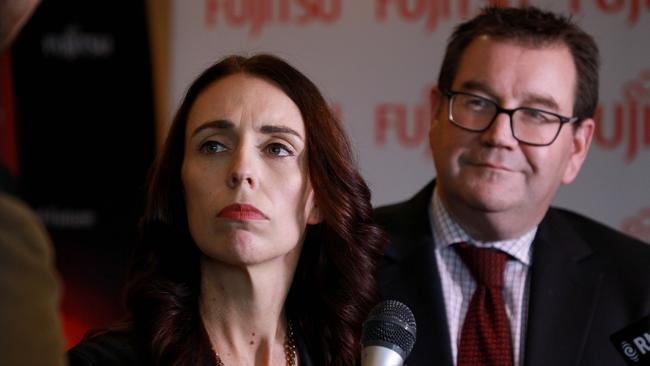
[587, 282]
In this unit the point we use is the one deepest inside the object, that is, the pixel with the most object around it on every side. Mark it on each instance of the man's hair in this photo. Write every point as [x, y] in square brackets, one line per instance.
[533, 27]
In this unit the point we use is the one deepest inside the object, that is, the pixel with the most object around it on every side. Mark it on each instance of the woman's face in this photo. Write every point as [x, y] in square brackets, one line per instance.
[245, 172]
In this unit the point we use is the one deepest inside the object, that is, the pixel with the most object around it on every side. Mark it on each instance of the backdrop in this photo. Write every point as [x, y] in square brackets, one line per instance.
[375, 61]
[84, 139]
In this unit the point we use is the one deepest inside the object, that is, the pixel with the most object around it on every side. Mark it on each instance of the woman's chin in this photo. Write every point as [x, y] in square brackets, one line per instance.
[241, 255]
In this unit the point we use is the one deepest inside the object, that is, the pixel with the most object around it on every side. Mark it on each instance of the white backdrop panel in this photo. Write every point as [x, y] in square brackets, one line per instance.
[375, 60]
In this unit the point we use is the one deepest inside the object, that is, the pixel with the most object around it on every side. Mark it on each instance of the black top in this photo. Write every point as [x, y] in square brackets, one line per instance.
[116, 347]
[120, 347]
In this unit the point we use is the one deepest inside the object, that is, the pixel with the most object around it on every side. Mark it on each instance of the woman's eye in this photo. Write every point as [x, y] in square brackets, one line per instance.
[277, 149]
[210, 147]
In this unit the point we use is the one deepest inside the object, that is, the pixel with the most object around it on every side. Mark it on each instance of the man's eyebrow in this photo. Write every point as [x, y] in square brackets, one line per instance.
[474, 85]
[269, 129]
[220, 124]
[543, 100]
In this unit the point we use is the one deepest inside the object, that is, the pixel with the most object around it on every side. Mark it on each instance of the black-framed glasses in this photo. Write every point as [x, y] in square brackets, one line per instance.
[530, 126]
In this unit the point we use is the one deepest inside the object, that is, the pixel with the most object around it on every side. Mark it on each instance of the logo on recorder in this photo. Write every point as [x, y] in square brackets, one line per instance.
[633, 342]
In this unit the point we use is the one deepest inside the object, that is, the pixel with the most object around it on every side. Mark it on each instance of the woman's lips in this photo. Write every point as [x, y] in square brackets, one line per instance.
[241, 212]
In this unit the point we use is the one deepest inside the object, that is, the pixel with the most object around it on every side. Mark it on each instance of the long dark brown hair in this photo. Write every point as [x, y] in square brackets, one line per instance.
[334, 284]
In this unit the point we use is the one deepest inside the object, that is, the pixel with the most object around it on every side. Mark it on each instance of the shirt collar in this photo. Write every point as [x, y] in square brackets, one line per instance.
[447, 232]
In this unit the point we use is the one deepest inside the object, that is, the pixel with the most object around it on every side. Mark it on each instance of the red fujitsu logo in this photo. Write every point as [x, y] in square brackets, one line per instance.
[407, 124]
[431, 10]
[639, 226]
[255, 14]
[634, 7]
[628, 122]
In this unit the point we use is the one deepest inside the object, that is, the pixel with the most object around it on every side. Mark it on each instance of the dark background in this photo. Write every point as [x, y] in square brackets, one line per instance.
[84, 128]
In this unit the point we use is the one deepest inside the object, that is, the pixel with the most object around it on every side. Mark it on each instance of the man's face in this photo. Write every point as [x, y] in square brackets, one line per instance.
[490, 174]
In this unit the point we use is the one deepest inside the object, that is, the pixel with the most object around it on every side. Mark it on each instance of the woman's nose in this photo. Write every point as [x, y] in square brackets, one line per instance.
[242, 170]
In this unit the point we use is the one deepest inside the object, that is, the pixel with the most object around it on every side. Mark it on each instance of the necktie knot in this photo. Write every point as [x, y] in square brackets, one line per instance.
[485, 264]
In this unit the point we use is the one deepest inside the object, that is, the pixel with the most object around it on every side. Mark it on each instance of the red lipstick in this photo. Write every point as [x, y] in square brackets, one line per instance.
[241, 212]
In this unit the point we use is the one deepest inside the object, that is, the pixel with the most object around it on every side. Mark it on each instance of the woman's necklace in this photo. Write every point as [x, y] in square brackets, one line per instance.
[290, 351]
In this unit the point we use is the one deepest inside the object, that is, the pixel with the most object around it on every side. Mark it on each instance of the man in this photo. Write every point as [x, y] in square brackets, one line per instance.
[512, 121]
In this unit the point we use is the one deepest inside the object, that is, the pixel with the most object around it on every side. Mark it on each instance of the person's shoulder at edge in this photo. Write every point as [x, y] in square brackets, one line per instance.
[117, 346]
[16, 214]
[29, 290]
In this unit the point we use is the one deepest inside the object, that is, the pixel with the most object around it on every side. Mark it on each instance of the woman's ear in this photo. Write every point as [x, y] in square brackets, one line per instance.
[315, 216]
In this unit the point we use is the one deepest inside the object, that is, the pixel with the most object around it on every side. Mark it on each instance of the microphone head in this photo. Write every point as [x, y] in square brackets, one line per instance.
[390, 324]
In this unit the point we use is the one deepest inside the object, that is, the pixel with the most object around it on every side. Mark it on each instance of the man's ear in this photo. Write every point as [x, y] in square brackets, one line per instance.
[436, 99]
[581, 140]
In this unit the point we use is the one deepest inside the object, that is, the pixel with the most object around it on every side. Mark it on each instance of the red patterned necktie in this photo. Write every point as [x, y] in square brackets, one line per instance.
[485, 337]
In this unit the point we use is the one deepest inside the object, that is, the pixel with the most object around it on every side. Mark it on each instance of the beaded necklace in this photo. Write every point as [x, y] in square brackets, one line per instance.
[290, 350]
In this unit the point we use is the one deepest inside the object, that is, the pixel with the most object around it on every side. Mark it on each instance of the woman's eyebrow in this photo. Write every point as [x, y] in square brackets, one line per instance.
[269, 129]
[220, 124]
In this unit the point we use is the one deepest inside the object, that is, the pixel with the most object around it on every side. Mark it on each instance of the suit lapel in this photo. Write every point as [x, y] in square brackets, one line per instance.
[563, 288]
[411, 276]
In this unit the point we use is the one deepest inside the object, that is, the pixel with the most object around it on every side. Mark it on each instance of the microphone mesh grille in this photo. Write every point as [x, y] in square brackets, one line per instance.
[390, 322]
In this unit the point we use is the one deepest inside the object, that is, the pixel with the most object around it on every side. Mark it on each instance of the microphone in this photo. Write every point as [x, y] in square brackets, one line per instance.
[388, 334]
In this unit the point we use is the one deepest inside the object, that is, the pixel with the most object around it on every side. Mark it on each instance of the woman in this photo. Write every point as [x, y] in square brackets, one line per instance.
[258, 245]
